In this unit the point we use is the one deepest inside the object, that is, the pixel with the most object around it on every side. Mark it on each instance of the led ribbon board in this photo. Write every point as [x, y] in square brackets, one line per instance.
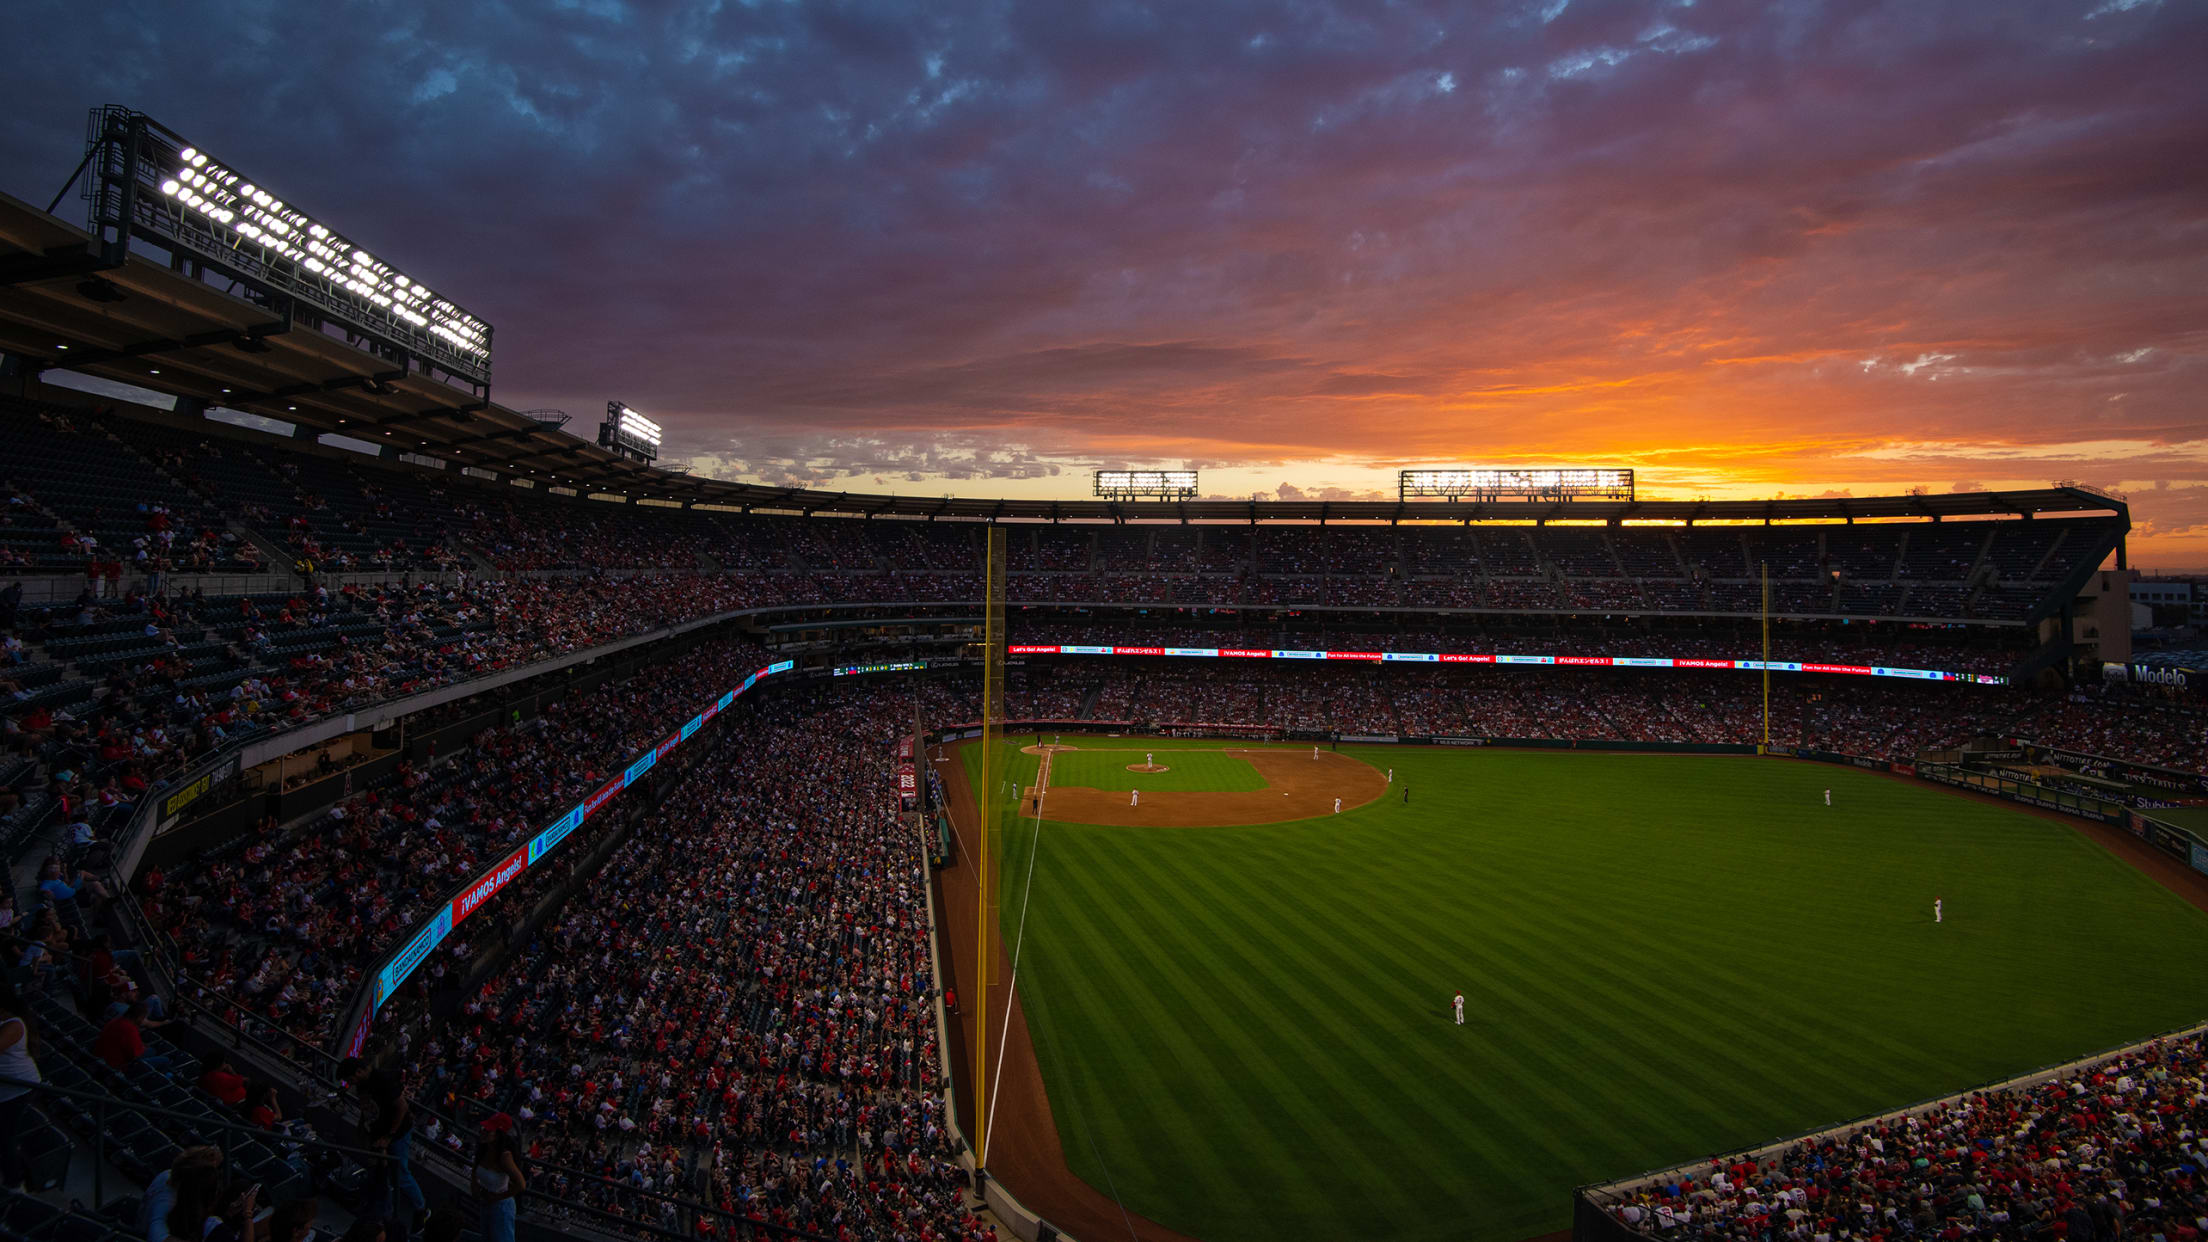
[487, 885]
[1566, 661]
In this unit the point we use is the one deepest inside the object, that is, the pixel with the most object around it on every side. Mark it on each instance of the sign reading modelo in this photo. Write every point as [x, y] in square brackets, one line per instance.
[487, 885]
[1452, 657]
[2149, 675]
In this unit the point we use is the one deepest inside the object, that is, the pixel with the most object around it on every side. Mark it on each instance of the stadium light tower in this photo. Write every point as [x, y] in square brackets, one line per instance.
[1146, 484]
[1568, 483]
[149, 183]
[629, 433]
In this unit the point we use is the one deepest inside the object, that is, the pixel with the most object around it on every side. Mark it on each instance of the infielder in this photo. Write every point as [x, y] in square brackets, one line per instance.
[1134, 797]
[1337, 806]
[1150, 760]
[1391, 776]
[1460, 1009]
[1314, 752]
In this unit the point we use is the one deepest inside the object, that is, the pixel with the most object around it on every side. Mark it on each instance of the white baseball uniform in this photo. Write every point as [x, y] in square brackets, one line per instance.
[1134, 796]
[1460, 1009]
[1938, 916]
[1337, 806]
[1828, 797]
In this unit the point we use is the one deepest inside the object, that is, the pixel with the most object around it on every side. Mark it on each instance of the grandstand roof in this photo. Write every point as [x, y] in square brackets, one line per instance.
[144, 323]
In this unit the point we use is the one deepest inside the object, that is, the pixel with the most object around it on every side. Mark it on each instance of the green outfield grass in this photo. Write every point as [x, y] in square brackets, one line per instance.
[1246, 1033]
[1190, 770]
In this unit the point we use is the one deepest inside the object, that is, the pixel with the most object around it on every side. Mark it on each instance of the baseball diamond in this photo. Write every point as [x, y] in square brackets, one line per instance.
[1210, 623]
[1246, 1034]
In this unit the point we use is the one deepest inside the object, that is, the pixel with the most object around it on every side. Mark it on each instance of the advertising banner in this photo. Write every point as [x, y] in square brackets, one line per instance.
[1453, 657]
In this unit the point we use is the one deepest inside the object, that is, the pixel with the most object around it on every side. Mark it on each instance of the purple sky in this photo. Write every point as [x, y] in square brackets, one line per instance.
[1747, 249]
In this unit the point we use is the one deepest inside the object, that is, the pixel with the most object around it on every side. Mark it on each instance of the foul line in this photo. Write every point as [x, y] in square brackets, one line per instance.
[1019, 941]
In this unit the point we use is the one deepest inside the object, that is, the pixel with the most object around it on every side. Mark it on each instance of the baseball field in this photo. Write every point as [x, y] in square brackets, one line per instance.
[1245, 1032]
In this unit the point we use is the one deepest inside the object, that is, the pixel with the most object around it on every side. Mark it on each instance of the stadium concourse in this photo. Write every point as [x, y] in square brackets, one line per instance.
[280, 716]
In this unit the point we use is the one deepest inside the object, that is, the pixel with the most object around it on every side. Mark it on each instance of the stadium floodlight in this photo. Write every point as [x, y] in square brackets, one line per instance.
[150, 183]
[1562, 483]
[629, 433]
[1146, 484]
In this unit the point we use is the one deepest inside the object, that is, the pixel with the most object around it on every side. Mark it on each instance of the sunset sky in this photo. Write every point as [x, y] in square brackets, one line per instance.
[1747, 249]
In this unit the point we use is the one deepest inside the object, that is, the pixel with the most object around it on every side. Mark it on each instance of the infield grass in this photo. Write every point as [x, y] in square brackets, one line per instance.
[1186, 770]
[1246, 1033]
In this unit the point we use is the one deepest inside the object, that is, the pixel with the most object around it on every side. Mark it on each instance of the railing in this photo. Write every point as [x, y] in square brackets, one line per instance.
[101, 1105]
[1601, 1194]
[168, 799]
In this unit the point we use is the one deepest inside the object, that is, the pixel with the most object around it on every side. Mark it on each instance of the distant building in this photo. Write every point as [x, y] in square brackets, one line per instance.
[2159, 603]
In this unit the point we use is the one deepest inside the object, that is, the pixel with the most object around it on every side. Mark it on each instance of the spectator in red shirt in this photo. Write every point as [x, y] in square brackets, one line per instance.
[121, 1043]
[224, 1082]
[265, 1111]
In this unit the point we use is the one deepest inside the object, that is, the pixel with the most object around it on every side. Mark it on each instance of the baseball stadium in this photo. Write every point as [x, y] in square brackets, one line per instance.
[447, 815]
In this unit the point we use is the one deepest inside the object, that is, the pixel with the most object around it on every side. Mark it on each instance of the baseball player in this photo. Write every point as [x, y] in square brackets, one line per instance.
[1828, 797]
[1937, 915]
[1337, 806]
[1134, 797]
[1460, 1009]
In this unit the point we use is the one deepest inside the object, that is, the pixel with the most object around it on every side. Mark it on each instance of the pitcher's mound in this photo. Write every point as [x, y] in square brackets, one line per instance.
[1148, 767]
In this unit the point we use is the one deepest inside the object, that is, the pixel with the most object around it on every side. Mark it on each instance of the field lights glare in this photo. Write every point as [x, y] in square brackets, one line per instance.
[253, 219]
[635, 424]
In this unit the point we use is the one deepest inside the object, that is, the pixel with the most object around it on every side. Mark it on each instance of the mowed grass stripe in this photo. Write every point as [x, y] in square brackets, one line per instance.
[1122, 998]
[1280, 1121]
[1300, 1011]
[1676, 1043]
[1340, 950]
[1669, 1052]
[1500, 983]
[1676, 955]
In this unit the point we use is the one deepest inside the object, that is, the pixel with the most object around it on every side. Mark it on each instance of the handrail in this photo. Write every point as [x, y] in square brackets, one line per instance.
[2028, 1078]
[129, 842]
[102, 1103]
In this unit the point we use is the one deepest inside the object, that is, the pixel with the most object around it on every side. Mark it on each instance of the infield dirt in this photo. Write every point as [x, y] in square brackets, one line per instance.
[1297, 786]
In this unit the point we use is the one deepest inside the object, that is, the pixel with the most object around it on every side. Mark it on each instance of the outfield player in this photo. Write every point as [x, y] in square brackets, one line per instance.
[1460, 1009]
[1937, 915]
[1828, 797]
[1391, 776]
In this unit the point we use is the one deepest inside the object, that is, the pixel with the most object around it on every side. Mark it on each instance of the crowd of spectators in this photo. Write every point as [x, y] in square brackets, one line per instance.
[2121, 723]
[281, 923]
[737, 1008]
[202, 672]
[2107, 1151]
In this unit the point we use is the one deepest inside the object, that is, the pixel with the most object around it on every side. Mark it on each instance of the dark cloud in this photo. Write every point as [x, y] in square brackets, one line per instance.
[1749, 243]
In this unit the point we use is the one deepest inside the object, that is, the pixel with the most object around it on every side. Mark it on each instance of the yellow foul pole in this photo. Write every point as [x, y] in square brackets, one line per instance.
[992, 799]
[1766, 656]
